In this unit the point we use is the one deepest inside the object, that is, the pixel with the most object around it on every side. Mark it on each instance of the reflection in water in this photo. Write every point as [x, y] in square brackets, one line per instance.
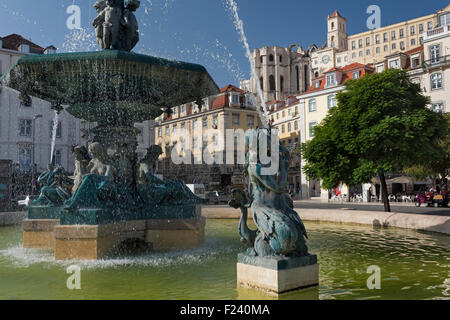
[413, 266]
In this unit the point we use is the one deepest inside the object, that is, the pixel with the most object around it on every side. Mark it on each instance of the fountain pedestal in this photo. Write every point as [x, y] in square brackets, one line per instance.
[277, 275]
[39, 233]
[93, 242]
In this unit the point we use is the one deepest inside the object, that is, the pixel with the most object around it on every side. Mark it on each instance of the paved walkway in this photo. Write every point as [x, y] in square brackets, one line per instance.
[408, 208]
[415, 221]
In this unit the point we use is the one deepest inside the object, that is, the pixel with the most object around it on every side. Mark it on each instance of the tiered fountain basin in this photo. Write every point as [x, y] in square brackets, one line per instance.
[114, 89]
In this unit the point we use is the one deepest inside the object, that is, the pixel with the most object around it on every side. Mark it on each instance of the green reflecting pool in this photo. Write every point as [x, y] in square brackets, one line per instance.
[413, 266]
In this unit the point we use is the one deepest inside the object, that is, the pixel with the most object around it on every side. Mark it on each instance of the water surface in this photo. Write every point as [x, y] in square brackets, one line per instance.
[413, 266]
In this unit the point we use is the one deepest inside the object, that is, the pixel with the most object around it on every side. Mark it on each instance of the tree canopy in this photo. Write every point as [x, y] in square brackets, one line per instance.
[381, 124]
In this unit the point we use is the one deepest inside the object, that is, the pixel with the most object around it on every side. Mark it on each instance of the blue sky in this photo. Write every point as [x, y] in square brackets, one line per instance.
[202, 31]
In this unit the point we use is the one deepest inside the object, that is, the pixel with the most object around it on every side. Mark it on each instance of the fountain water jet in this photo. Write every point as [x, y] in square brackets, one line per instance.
[239, 25]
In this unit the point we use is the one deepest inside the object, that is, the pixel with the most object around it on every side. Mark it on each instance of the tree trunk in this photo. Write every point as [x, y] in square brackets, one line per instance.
[384, 195]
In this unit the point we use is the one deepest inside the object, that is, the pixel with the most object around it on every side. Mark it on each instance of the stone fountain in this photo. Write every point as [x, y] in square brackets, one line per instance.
[112, 197]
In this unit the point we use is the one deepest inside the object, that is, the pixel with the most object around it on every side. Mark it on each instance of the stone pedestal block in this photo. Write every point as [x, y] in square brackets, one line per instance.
[39, 234]
[85, 242]
[277, 275]
[175, 234]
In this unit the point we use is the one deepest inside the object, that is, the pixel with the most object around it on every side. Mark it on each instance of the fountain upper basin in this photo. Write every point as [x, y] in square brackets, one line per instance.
[110, 87]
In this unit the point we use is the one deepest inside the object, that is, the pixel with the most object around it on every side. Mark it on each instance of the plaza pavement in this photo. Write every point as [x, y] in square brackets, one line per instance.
[405, 216]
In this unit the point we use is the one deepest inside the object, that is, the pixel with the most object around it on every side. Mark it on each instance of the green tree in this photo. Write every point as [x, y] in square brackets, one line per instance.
[381, 124]
[435, 167]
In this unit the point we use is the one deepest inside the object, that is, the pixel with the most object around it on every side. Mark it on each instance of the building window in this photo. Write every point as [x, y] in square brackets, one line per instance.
[24, 48]
[25, 127]
[216, 121]
[194, 124]
[444, 19]
[331, 101]
[167, 131]
[331, 80]
[413, 30]
[271, 58]
[24, 159]
[394, 46]
[261, 82]
[312, 125]
[393, 35]
[385, 48]
[251, 121]
[356, 75]
[380, 68]
[367, 41]
[413, 42]
[401, 33]
[368, 52]
[283, 128]
[339, 60]
[271, 83]
[437, 107]
[421, 40]
[283, 114]
[360, 43]
[281, 83]
[295, 125]
[58, 157]
[174, 128]
[289, 127]
[435, 52]
[378, 50]
[421, 28]
[436, 81]
[394, 64]
[353, 45]
[430, 25]
[402, 45]
[58, 130]
[236, 119]
[415, 62]
[183, 109]
[175, 111]
[377, 39]
[235, 99]
[385, 37]
[361, 54]
[317, 84]
[312, 105]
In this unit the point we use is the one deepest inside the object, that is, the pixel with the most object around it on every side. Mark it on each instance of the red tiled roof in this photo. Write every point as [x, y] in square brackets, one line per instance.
[347, 74]
[13, 42]
[231, 88]
[336, 14]
[415, 50]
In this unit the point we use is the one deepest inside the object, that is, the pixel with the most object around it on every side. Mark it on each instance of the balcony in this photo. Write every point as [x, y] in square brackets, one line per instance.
[436, 62]
[436, 33]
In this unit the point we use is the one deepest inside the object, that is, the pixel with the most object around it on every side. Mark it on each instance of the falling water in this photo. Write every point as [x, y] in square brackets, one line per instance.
[54, 132]
[239, 25]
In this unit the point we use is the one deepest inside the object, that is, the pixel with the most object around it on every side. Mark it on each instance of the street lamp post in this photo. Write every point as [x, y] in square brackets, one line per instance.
[33, 165]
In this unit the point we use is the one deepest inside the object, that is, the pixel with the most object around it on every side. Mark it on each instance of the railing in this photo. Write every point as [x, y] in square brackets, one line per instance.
[436, 62]
[436, 32]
